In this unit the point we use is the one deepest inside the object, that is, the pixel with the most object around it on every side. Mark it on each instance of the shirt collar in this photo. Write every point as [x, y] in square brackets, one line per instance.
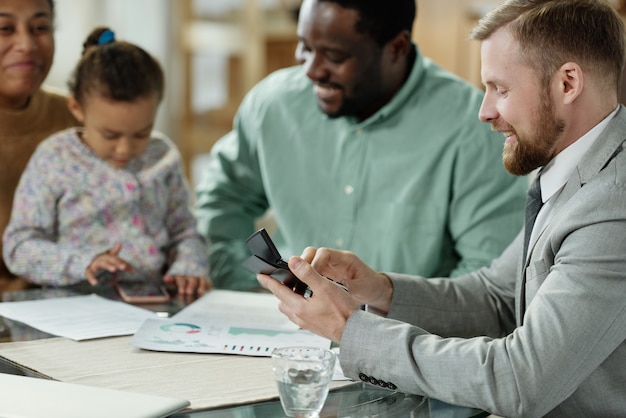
[406, 91]
[556, 173]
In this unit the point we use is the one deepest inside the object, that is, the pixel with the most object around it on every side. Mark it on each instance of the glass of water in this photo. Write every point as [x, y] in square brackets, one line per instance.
[303, 375]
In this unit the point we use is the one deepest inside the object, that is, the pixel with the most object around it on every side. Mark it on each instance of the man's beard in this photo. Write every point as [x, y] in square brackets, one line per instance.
[347, 108]
[528, 153]
[364, 97]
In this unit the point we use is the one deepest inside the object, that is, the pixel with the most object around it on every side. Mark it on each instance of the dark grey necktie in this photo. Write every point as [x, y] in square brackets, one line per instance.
[533, 205]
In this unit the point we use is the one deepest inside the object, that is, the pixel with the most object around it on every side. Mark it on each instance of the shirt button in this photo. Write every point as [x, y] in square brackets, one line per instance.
[348, 189]
[339, 243]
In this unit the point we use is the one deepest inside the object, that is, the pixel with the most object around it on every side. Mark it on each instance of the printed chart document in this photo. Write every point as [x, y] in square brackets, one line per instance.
[226, 322]
[78, 317]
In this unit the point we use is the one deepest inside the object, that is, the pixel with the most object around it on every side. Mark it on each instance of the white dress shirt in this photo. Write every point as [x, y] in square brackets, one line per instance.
[555, 174]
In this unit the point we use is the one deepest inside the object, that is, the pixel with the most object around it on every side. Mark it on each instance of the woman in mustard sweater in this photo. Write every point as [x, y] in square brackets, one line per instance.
[28, 112]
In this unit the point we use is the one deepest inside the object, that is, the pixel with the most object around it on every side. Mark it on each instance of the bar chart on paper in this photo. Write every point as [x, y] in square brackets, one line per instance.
[223, 338]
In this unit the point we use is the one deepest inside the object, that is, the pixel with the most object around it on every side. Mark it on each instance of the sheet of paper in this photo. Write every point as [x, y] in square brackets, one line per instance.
[78, 317]
[226, 322]
[256, 309]
[220, 337]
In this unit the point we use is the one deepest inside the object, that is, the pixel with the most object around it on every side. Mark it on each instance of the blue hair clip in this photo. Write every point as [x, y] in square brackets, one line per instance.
[106, 37]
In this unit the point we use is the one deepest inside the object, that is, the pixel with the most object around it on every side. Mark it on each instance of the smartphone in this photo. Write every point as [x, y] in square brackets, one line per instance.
[142, 292]
[266, 259]
[106, 278]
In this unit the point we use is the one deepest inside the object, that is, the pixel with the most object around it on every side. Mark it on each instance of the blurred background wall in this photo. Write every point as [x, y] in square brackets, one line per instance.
[145, 22]
[213, 51]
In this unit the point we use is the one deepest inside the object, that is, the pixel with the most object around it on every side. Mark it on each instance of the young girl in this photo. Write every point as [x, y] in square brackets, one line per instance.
[110, 196]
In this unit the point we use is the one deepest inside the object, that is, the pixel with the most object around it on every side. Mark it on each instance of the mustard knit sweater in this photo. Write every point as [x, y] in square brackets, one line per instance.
[20, 133]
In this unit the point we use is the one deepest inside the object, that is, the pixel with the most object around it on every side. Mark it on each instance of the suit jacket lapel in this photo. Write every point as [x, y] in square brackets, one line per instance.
[599, 155]
[608, 144]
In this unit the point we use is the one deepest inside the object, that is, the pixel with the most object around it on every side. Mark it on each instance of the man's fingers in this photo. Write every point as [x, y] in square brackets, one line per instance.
[270, 283]
[308, 254]
[284, 295]
[282, 292]
[304, 271]
[326, 262]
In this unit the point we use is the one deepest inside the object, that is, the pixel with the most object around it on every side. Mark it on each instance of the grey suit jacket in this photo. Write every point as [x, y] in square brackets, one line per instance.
[462, 341]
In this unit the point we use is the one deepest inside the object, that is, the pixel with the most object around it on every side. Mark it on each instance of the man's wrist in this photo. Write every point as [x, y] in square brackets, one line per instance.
[382, 305]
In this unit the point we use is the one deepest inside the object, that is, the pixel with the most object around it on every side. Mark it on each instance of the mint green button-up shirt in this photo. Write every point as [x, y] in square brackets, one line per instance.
[418, 187]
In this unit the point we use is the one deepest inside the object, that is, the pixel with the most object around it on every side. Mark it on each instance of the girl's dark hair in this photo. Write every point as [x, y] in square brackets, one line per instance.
[51, 2]
[380, 19]
[116, 70]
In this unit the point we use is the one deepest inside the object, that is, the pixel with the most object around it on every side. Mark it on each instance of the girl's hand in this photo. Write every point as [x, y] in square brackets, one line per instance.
[109, 261]
[189, 285]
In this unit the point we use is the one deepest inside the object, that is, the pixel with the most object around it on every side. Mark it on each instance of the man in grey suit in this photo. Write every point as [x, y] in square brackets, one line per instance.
[536, 334]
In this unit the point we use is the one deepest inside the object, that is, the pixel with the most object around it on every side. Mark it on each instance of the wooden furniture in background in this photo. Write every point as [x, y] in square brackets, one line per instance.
[442, 31]
[255, 40]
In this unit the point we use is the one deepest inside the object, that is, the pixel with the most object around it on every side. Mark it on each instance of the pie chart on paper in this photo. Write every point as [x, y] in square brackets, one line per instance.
[181, 328]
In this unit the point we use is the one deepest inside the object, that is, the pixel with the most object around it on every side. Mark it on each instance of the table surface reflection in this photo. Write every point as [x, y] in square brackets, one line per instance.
[357, 400]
